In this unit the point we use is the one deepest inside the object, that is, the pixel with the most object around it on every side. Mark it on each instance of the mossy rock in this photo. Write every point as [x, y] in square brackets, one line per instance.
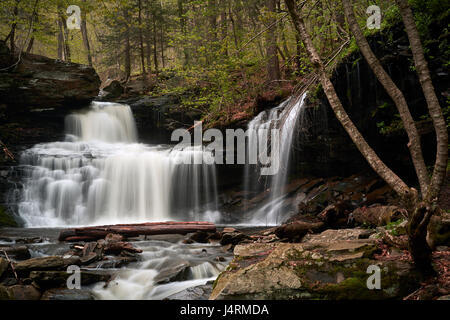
[322, 270]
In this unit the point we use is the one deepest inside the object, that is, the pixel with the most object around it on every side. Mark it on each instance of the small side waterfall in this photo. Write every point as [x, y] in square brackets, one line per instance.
[100, 175]
[287, 115]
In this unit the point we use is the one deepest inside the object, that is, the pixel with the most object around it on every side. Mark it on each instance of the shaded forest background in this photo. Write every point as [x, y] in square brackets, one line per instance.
[219, 55]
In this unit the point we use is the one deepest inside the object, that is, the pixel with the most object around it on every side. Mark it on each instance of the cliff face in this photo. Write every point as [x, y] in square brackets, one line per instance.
[38, 82]
[324, 148]
[37, 93]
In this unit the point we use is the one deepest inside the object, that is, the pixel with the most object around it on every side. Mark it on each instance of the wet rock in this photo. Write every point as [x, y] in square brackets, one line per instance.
[89, 258]
[30, 240]
[50, 279]
[111, 262]
[296, 230]
[233, 238]
[15, 252]
[41, 82]
[178, 271]
[46, 263]
[335, 270]
[3, 266]
[377, 215]
[9, 281]
[67, 294]
[195, 293]
[332, 235]
[23, 292]
[113, 89]
[336, 215]
[3, 293]
[200, 237]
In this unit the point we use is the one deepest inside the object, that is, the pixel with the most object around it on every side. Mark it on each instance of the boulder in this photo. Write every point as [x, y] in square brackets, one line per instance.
[113, 89]
[233, 238]
[50, 279]
[320, 270]
[296, 230]
[15, 252]
[45, 263]
[40, 82]
[67, 294]
[194, 293]
[23, 292]
[3, 266]
[3, 293]
[336, 215]
[377, 215]
[200, 237]
[333, 235]
[177, 270]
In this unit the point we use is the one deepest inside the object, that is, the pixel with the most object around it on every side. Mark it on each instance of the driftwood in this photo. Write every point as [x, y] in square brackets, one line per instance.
[134, 230]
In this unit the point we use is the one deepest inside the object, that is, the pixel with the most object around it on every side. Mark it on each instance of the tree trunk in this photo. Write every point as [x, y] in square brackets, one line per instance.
[127, 46]
[34, 20]
[60, 35]
[67, 55]
[273, 66]
[224, 25]
[434, 108]
[183, 30]
[155, 47]
[148, 39]
[134, 230]
[369, 154]
[417, 238]
[396, 95]
[212, 19]
[141, 41]
[84, 33]
[12, 34]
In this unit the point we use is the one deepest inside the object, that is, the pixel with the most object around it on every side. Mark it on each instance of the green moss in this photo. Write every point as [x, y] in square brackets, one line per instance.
[5, 219]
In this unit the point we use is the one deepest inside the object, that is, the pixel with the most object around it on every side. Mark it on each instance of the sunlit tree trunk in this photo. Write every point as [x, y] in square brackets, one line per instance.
[440, 168]
[369, 154]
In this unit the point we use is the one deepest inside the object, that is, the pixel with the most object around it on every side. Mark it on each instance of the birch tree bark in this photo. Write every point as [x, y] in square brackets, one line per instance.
[369, 154]
[440, 167]
[394, 92]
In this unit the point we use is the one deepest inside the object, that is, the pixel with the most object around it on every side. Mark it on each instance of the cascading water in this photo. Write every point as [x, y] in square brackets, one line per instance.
[285, 115]
[101, 175]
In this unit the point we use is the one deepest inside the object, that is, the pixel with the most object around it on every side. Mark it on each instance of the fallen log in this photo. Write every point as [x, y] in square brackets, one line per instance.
[135, 230]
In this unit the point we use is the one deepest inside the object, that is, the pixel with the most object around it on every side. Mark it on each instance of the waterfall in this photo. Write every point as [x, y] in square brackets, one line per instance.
[100, 175]
[287, 116]
[108, 122]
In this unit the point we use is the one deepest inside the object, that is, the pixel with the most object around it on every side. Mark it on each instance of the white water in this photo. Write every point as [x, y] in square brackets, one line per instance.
[139, 281]
[271, 213]
[101, 175]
